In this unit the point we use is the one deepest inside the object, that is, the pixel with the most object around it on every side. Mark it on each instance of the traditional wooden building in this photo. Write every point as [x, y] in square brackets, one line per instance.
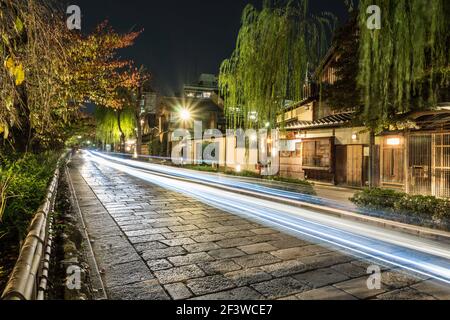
[417, 159]
[323, 145]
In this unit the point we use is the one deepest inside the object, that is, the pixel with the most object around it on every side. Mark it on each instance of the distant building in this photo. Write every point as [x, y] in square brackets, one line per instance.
[149, 102]
[149, 111]
[199, 102]
[206, 87]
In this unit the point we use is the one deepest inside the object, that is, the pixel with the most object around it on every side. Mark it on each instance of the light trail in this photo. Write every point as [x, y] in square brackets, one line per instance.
[422, 256]
[259, 188]
[234, 182]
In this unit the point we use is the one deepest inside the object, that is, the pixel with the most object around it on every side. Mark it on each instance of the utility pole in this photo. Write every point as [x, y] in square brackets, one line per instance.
[140, 97]
[372, 159]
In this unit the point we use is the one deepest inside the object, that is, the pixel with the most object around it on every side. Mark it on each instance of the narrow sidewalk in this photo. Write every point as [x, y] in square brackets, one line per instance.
[125, 275]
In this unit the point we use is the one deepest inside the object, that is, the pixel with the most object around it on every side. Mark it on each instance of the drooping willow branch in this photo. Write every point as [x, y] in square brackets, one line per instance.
[276, 48]
[107, 124]
[404, 65]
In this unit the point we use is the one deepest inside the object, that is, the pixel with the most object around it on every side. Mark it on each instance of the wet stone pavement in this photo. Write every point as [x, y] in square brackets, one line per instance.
[154, 244]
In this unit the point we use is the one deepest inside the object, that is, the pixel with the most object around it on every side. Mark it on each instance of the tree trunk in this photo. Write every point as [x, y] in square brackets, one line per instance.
[22, 136]
[122, 135]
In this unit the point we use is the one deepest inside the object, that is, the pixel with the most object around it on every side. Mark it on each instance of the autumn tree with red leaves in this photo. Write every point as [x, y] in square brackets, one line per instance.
[48, 72]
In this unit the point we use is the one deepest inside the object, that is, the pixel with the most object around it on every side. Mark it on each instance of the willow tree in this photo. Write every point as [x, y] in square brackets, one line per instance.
[115, 126]
[276, 47]
[405, 64]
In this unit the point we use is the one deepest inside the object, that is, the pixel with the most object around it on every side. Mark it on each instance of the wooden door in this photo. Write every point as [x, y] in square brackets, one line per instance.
[355, 162]
[441, 165]
[341, 164]
[420, 164]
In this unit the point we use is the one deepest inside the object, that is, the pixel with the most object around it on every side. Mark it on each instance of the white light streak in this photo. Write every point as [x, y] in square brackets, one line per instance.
[412, 253]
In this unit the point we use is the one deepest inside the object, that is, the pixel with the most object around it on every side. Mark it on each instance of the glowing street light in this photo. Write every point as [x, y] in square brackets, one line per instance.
[185, 115]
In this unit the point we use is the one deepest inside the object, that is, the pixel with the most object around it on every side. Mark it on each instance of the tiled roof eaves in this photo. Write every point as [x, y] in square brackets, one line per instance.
[330, 121]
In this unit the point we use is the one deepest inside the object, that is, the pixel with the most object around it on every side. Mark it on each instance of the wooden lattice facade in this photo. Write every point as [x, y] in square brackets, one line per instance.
[417, 163]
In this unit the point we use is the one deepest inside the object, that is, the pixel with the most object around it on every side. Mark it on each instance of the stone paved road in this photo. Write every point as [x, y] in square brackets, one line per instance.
[154, 244]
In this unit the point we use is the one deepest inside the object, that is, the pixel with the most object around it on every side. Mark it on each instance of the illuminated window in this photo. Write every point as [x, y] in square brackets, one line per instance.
[393, 141]
[393, 161]
[317, 154]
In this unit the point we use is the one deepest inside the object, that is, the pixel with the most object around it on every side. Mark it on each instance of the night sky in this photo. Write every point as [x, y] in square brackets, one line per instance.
[182, 38]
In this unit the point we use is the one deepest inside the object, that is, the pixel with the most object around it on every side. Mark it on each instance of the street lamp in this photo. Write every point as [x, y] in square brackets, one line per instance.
[185, 115]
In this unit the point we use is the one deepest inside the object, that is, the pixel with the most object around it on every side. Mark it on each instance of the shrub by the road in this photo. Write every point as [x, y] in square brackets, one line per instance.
[414, 206]
[29, 177]
[377, 198]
